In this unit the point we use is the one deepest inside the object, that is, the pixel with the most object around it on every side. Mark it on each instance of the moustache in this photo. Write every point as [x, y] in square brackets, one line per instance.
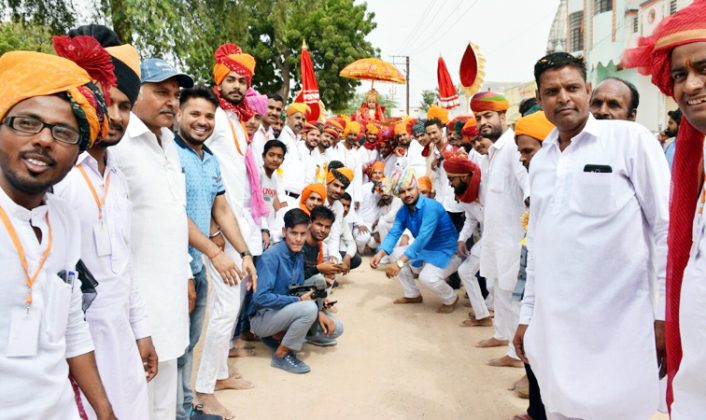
[167, 111]
[116, 127]
[558, 110]
[38, 152]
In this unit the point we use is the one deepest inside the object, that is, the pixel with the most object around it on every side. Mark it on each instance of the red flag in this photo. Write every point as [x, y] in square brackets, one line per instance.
[448, 98]
[310, 89]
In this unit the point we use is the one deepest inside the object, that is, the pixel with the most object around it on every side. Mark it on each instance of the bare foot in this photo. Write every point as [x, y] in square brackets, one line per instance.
[210, 405]
[241, 352]
[406, 300]
[447, 309]
[233, 383]
[472, 322]
[239, 343]
[505, 361]
[492, 342]
[522, 387]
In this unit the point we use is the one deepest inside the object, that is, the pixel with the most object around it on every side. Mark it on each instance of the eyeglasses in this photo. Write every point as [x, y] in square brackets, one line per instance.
[32, 125]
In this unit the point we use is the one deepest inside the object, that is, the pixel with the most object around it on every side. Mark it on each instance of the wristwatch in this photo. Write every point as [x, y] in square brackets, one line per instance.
[245, 253]
[400, 264]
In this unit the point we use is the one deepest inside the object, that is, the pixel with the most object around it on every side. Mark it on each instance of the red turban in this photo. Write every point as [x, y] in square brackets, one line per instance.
[459, 165]
[229, 57]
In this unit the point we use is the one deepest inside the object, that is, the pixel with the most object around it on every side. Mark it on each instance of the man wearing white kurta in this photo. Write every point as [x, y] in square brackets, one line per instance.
[293, 176]
[600, 190]
[507, 189]
[159, 258]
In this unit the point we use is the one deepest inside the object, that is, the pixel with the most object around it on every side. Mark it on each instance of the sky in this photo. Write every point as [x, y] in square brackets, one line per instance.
[512, 34]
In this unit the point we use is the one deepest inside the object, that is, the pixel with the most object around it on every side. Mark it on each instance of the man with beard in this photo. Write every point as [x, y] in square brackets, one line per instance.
[277, 126]
[431, 257]
[615, 99]
[352, 135]
[376, 197]
[50, 112]
[274, 114]
[675, 55]
[160, 264]
[309, 152]
[670, 135]
[293, 170]
[507, 189]
[599, 189]
[98, 191]
[408, 150]
[337, 180]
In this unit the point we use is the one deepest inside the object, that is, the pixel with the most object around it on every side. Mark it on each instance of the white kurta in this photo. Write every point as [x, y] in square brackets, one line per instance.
[159, 257]
[293, 177]
[117, 316]
[37, 387]
[507, 188]
[688, 386]
[588, 298]
[351, 159]
[259, 138]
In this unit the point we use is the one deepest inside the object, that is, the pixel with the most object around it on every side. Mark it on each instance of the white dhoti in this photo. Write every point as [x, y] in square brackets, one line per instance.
[118, 359]
[224, 307]
[362, 239]
[162, 392]
[432, 277]
[507, 317]
[467, 272]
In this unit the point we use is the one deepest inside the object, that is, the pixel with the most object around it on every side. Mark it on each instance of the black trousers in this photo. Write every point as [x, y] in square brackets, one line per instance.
[536, 407]
[355, 261]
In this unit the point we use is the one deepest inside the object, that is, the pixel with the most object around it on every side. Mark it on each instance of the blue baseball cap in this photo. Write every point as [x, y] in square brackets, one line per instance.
[155, 70]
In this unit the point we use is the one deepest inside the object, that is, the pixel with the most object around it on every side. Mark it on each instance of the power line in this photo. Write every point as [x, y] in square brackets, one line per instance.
[433, 41]
[421, 19]
[425, 27]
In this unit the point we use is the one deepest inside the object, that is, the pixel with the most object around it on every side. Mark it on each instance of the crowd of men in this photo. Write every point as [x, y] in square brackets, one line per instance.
[134, 202]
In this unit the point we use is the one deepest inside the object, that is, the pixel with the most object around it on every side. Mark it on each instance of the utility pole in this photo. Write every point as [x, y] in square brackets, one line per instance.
[406, 75]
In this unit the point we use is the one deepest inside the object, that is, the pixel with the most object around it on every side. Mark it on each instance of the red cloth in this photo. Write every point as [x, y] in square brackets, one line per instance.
[242, 110]
[653, 56]
[457, 165]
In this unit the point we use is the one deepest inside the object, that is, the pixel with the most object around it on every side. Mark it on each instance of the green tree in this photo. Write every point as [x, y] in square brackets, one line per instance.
[30, 37]
[429, 98]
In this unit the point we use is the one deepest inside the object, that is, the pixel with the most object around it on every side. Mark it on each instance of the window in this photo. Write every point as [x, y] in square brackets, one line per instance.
[576, 31]
[635, 25]
[672, 7]
[601, 6]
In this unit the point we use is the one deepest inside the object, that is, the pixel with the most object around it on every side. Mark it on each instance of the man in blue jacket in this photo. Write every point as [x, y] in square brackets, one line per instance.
[432, 255]
[280, 319]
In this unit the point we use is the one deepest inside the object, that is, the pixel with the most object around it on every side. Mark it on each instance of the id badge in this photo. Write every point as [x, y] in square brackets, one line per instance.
[24, 332]
[102, 237]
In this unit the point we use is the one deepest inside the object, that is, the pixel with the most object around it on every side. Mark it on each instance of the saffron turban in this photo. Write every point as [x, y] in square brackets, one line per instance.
[331, 127]
[27, 74]
[400, 128]
[534, 125]
[470, 128]
[344, 175]
[402, 179]
[352, 127]
[489, 101]
[377, 166]
[372, 129]
[653, 56]
[256, 102]
[424, 182]
[382, 187]
[309, 126]
[335, 123]
[298, 107]
[230, 58]
[442, 114]
[317, 188]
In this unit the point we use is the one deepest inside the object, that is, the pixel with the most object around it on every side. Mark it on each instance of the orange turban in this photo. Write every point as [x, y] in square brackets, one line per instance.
[377, 166]
[400, 128]
[534, 125]
[352, 127]
[424, 182]
[334, 122]
[489, 101]
[229, 57]
[345, 175]
[470, 128]
[435, 111]
[298, 107]
[372, 129]
[317, 188]
[27, 74]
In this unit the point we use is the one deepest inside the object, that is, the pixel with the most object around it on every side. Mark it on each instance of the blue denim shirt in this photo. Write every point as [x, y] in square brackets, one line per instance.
[203, 184]
[277, 268]
[435, 236]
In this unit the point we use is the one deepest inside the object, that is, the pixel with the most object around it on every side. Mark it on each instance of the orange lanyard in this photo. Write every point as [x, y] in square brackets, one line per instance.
[29, 280]
[100, 202]
[235, 137]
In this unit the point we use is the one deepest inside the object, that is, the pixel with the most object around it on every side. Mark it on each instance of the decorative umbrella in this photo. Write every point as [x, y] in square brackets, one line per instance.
[472, 71]
[448, 98]
[310, 88]
[373, 69]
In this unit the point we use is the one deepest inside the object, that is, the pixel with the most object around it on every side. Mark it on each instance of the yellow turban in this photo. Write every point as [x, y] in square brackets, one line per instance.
[27, 74]
[534, 125]
[424, 182]
[372, 128]
[298, 107]
[439, 113]
[352, 127]
[229, 57]
[489, 101]
[377, 166]
[345, 175]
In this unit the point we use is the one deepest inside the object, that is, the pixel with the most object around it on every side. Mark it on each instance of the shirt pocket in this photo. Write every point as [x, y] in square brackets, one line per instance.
[498, 182]
[593, 193]
[57, 305]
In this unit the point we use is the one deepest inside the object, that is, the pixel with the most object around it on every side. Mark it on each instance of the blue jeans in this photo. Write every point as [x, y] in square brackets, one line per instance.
[184, 366]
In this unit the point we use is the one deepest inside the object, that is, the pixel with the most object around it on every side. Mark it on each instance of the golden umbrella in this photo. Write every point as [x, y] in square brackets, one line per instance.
[373, 69]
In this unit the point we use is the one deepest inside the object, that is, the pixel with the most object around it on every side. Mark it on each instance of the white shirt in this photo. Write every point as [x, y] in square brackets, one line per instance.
[589, 298]
[507, 188]
[415, 160]
[351, 159]
[116, 289]
[367, 156]
[259, 138]
[159, 257]
[36, 387]
[369, 212]
[333, 241]
[293, 177]
[311, 160]
[334, 153]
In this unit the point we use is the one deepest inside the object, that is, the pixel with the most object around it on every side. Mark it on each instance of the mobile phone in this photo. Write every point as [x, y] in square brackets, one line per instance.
[599, 169]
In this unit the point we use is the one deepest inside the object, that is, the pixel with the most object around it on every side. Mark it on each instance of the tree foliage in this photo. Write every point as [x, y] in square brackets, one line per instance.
[187, 32]
[429, 98]
[18, 36]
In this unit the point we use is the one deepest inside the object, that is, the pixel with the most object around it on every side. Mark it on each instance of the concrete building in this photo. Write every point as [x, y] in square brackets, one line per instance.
[600, 30]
